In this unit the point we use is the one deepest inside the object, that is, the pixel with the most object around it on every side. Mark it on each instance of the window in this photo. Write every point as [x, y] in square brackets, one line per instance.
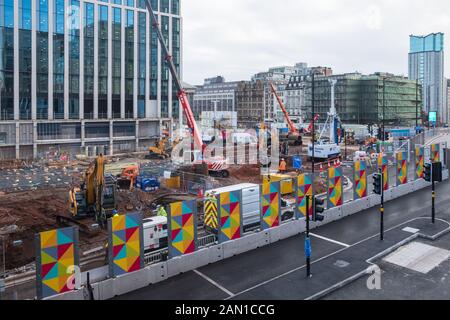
[103, 62]
[176, 7]
[116, 58]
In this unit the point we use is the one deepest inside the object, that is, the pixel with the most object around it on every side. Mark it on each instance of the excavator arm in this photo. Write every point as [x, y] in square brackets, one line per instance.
[198, 142]
[292, 129]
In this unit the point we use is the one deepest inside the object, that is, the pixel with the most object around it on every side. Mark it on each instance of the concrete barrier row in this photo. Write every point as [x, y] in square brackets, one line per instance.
[155, 273]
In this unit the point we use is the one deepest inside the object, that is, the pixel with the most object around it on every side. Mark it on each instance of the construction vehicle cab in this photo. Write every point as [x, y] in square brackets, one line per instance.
[97, 195]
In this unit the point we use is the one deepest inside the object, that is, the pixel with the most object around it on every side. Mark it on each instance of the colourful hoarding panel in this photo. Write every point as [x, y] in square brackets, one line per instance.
[383, 163]
[402, 167]
[420, 161]
[182, 228]
[270, 205]
[56, 261]
[435, 152]
[304, 188]
[360, 178]
[125, 244]
[230, 216]
[335, 198]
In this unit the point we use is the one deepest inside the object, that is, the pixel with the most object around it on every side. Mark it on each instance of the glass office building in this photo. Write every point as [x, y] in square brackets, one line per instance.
[426, 64]
[85, 74]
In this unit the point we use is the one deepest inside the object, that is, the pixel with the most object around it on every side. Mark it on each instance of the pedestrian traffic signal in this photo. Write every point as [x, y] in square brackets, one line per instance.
[377, 185]
[427, 172]
[318, 209]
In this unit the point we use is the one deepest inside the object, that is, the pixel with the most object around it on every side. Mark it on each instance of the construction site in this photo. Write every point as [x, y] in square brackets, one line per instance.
[87, 190]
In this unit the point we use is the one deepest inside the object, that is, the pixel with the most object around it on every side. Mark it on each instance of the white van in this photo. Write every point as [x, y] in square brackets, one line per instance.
[155, 233]
[250, 203]
[243, 138]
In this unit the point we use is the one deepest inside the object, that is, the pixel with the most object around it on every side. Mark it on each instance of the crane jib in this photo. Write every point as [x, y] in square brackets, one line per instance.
[181, 94]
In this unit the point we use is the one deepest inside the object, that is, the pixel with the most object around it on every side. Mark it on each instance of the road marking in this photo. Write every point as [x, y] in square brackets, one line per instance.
[411, 230]
[334, 253]
[228, 292]
[330, 240]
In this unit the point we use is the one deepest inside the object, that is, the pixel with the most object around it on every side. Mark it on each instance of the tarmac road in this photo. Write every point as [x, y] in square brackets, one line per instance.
[277, 271]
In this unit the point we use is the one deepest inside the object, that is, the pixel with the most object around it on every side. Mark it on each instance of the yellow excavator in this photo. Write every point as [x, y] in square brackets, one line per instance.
[160, 150]
[96, 197]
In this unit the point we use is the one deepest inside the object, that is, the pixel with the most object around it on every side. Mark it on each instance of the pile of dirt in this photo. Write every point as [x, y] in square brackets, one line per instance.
[28, 212]
[244, 174]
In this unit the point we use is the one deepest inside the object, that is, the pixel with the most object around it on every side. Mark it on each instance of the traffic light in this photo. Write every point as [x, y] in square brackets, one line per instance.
[437, 171]
[386, 136]
[427, 172]
[377, 185]
[318, 209]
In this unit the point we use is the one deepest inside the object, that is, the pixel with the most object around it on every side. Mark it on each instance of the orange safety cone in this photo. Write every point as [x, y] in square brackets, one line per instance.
[321, 168]
[200, 193]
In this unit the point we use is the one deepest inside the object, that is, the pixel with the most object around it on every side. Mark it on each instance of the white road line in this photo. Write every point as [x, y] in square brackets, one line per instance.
[228, 292]
[327, 256]
[330, 240]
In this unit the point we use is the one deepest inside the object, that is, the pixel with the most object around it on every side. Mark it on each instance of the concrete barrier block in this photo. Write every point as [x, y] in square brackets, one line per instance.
[274, 234]
[72, 295]
[355, 207]
[106, 289]
[247, 243]
[388, 195]
[174, 266]
[445, 174]
[195, 260]
[95, 275]
[331, 215]
[215, 253]
[157, 272]
[187, 262]
[374, 200]
[290, 229]
[399, 191]
[131, 282]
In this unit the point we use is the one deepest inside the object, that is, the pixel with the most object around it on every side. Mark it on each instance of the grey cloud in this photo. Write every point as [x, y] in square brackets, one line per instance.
[237, 38]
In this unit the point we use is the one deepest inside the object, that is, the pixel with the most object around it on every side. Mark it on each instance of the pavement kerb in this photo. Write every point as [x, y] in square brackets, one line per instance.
[380, 255]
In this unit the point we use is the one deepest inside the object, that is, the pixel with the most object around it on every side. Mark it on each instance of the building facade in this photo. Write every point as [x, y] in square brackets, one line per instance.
[214, 95]
[448, 100]
[77, 74]
[367, 99]
[296, 90]
[426, 63]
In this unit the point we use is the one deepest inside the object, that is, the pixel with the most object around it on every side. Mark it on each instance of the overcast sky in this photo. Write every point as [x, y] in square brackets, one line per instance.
[238, 38]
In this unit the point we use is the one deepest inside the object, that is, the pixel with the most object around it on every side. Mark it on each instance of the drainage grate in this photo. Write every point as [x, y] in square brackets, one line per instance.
[341, 264]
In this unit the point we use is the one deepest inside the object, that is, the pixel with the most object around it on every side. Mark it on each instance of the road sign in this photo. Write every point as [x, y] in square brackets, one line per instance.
[432, 116]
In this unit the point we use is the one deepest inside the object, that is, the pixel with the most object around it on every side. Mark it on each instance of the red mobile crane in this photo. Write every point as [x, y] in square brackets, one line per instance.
[294, 135]
[216, 165]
